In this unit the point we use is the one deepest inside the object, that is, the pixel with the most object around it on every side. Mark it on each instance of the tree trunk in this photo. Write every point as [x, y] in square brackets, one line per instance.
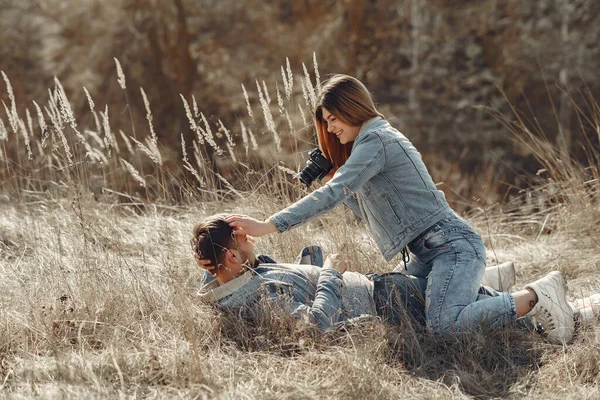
[565, 108]
[413, 93]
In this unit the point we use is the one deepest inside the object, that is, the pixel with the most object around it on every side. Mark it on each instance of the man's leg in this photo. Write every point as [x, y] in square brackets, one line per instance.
[399, 296]
[310, 255]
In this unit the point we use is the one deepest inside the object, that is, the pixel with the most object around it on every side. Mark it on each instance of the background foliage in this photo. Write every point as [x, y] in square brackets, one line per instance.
[445, 72]
[123, 123]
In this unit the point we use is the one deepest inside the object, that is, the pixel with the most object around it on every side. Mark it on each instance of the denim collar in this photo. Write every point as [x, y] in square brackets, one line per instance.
[367, 124]
[214, 291]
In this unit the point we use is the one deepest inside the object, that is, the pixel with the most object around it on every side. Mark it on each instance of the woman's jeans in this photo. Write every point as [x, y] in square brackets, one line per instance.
[399, 297]
[451, 256]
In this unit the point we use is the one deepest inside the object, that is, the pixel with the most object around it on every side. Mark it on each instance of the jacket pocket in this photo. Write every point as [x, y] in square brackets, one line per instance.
[393, 211]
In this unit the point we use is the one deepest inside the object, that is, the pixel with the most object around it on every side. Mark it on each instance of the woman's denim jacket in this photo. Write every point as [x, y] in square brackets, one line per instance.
[385, 183]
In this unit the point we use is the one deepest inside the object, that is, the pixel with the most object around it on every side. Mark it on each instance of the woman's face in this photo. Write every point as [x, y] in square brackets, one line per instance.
[344, 132]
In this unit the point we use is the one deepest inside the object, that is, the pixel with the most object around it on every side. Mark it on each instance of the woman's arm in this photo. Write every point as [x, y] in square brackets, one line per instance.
[250, 226]
[352, 203]
[367, 160]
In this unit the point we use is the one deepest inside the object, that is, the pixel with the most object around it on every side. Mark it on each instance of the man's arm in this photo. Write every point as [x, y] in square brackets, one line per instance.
[325, 310]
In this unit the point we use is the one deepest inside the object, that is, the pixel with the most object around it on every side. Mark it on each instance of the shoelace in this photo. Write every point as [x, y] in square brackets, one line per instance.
[548, 316]
[405, 256]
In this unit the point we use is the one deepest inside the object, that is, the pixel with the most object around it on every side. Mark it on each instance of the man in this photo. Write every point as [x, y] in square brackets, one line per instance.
[254, 286]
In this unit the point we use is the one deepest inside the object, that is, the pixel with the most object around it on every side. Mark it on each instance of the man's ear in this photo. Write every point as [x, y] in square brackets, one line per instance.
[232, 257]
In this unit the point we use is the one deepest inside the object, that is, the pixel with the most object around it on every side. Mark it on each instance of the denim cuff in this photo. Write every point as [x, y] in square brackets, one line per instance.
[311, 255]
[279, 223]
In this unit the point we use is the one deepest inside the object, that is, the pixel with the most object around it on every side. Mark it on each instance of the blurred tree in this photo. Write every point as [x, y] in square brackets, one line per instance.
[20, 47]
[431, 64]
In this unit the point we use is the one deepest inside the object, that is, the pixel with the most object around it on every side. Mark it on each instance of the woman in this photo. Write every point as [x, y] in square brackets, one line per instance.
[380, 175]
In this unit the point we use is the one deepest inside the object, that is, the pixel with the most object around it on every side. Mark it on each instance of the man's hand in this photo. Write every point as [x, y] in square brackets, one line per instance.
[244, 224]
[204, 263]
[336, 262]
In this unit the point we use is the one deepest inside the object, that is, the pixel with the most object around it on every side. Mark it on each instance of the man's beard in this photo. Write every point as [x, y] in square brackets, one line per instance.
[251, 262]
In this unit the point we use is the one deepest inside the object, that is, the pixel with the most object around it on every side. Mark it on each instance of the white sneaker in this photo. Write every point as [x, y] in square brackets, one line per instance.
[501, 277]
[552, 310]
[587, 310]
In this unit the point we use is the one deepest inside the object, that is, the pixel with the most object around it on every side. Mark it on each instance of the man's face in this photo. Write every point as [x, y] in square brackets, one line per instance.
[244, 244]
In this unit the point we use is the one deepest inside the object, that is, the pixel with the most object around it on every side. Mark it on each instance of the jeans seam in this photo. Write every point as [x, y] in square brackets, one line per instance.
[441, 299]
[468, 238]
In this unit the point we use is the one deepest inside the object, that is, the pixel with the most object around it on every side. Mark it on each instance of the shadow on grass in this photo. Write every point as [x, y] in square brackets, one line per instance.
[484, 364]
[278, 335]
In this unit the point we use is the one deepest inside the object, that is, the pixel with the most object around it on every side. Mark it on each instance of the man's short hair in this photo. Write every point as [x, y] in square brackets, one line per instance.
[213, 236]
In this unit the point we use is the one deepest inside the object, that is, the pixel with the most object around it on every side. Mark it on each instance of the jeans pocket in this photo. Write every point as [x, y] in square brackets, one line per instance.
[431, 247]
[477, 244]
[436, 241]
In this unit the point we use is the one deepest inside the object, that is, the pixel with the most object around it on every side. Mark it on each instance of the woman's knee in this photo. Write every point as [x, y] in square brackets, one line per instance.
[445, 321]
[438, 326]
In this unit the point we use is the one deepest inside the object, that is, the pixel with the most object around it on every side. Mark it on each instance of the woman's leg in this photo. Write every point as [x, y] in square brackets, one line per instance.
[399, 296]
[455, 256]
[416, 268]
[452, 290]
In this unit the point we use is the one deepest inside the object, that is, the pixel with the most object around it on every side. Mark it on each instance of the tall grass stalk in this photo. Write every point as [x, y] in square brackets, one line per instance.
[97, 296]
[566, 178]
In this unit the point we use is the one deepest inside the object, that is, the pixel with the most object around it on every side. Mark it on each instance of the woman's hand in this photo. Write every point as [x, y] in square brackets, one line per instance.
[244, 224]
[336, 262]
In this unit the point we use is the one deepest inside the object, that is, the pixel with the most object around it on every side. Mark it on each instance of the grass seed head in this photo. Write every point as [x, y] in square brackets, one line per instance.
[120, 74]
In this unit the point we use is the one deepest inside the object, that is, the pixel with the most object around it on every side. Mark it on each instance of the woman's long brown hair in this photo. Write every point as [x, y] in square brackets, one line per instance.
[348, 100]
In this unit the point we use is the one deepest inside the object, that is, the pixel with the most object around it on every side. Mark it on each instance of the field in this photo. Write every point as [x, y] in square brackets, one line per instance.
[98, 283]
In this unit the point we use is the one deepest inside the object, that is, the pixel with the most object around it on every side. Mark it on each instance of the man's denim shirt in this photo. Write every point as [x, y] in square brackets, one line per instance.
[385, 183]
[301, 290]
[305, 292]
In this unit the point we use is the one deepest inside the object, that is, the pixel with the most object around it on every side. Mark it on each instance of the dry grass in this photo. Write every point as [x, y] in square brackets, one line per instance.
[98, 301]
[98, 283]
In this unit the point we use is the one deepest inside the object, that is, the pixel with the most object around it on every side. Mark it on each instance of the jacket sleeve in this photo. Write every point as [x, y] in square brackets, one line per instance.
[326, 308]
[352, 203]
[367, 160]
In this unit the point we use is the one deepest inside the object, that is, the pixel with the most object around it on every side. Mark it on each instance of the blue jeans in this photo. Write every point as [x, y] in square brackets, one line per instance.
[451, 256]
[399, 296]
